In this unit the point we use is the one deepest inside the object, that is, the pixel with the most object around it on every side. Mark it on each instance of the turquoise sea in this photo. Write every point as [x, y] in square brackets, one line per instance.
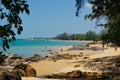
[25, 47]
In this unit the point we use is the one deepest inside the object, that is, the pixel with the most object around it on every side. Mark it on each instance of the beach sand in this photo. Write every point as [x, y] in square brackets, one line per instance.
[47, 67]
[33, 78]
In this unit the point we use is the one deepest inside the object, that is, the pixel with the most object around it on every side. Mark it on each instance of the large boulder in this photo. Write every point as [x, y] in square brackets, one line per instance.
[25, 70]
[5, 75]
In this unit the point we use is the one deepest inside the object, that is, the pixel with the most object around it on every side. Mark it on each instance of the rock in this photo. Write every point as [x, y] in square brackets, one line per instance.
[95, 48]
[76, 65]
[5, 75]
[12, 59]
[86, 45]
[25, 70]
[69, 75]
[56, 76]
[61, 56]
[34, 58]
[85, 57]
[78, 47]
[117, 64]
[14, 63]
[14, 56]
[116, 78]
[74, 74]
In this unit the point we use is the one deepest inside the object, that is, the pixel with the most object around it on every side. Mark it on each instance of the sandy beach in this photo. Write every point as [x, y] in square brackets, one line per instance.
[46, 67]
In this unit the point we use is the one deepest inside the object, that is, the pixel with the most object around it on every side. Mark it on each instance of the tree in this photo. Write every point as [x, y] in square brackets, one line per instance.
[90, 35]
[109, 10]
[10, 11]
[76, 37]
[63, 36]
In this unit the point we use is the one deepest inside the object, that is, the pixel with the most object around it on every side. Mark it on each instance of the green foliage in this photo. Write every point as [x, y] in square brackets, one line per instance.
[109, 11]
[79, 4]
[105, 37]
[10, 11]
[90, 35]
[77, 36]
[63, 36]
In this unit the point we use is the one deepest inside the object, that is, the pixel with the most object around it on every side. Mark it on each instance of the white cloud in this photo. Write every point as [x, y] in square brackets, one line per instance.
[88, 5]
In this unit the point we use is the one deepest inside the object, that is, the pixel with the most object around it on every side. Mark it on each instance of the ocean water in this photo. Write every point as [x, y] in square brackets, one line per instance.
[24, 47]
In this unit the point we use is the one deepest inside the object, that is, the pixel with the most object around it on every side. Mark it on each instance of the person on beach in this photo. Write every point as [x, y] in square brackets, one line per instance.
[103, 44]
[61, 50]
[115, 48]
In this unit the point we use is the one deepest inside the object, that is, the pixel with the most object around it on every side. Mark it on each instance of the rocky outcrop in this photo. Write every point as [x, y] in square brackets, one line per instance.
[74, 74]
[85, 47]
[79, 47]
[33, 58]
[14, 56]
[14, 59]
[5, 75]
[25, 70]
[56, 57]
[106, 68]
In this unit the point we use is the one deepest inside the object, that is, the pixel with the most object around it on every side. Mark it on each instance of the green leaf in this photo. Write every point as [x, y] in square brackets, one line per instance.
[27, 11]
[19, 32]
[2, 16]
[20, 28]
[26, 5]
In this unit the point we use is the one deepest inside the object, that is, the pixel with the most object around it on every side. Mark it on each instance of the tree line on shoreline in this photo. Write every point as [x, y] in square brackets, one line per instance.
[89, 35]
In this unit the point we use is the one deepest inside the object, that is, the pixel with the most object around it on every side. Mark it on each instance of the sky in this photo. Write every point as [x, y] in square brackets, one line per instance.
[49, 18]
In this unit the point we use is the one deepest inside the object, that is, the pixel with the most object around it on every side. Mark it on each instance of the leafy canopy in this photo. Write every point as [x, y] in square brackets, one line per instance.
[10, 19]
[109, 10]
[89, 35]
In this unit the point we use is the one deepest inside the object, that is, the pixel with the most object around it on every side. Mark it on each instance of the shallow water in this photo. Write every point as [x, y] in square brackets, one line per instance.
[25, 47]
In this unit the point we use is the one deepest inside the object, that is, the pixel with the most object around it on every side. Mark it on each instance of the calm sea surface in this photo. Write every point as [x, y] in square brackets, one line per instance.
[25, 47]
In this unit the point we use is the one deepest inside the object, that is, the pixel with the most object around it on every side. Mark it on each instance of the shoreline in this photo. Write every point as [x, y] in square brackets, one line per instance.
[37, 49]
[65, 63]
[74, 40]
